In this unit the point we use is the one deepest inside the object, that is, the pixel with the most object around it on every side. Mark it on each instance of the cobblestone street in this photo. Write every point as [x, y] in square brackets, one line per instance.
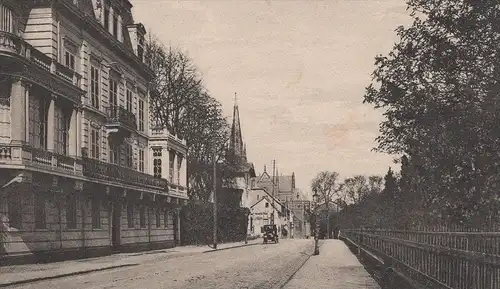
[259, 266]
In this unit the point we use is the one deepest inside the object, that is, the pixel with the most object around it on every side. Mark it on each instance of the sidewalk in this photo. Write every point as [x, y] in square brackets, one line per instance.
[334, 268]
[11, 275]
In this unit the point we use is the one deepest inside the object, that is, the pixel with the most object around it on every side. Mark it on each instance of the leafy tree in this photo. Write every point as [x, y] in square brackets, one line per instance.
[327, 186]
[356, 188]
[438, 87]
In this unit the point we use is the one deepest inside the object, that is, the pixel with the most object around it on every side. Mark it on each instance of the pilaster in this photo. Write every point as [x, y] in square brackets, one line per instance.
[51, 125]
[79, 132]
[19, 111]
[73, 133]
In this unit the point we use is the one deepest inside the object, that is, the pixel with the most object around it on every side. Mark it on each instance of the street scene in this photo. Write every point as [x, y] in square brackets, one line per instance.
[250, 144]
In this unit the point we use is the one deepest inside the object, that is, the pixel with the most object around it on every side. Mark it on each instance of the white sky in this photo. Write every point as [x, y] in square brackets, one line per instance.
[300, 69]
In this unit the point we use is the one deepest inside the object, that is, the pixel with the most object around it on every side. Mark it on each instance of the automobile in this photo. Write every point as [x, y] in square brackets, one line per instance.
[270, 234]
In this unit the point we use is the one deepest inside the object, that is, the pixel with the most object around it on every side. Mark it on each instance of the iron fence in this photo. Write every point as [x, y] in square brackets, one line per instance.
[438, 258]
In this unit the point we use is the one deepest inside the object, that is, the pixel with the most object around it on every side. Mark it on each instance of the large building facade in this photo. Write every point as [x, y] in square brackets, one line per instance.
[82, 167]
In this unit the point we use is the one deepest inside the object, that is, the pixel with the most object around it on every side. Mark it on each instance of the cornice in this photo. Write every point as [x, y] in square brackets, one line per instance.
[90, 24]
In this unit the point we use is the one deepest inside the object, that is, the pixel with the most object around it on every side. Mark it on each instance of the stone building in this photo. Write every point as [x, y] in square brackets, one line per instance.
[83, 170]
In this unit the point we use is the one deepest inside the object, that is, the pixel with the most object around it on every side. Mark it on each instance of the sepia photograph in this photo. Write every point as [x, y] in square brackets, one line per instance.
[250, 144]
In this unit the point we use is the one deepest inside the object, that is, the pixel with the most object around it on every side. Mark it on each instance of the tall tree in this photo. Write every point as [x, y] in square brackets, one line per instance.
[438, 87]
[327, 186]
[181, 103]
[356, 188]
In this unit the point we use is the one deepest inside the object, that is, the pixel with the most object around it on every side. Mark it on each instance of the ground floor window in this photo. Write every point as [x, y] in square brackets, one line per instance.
[96, 213]
[142, 217]
[130, 215]
[15, 211]
[71, 211]
[158, 218]
[40, 212]
[165, 218]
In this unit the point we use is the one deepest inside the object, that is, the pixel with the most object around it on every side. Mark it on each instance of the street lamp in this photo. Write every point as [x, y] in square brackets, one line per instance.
[316, 227]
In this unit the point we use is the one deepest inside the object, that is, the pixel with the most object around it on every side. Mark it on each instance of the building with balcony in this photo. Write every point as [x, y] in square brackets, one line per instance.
[82, 169]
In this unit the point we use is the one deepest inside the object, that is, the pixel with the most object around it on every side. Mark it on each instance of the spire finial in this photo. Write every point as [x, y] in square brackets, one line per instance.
[264, 168]
[235, 99]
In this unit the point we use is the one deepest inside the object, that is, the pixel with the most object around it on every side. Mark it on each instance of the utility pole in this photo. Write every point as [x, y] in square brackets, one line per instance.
[274, 184]
[215, 201]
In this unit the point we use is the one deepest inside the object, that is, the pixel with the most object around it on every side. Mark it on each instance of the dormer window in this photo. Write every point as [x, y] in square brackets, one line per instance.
[140, 48]
[106, 17]
[115, 24]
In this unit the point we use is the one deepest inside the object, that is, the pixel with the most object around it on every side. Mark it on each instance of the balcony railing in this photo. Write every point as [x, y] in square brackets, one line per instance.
[38, 158]
[164, 133]
[111, 172]
[119, 115]
[13, 44]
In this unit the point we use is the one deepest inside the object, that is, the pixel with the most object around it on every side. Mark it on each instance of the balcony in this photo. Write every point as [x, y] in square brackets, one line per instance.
[111, 172]
[120, 120]
[25, 157]
[42, 69]
[178, 191]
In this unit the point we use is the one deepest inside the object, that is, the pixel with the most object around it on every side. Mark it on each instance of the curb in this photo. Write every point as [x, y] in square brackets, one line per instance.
[228, 248]
[64, 275]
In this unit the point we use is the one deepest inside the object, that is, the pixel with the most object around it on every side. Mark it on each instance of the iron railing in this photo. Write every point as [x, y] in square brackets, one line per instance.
[107, 171]
[436, 259]
[118, 114]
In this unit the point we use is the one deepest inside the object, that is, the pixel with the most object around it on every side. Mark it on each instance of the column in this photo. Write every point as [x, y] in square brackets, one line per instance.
[79, 132]
[183, 181]
[72, 133]
[51, 125]
[18, 111]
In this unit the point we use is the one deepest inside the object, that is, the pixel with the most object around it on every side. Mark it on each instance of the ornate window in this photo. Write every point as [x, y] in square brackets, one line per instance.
[129, 99]
[179, 165]
[114, 152]
[113, 96]
[141, 115]
[94, 143]
[61, 130]
[38, 109]
[157, 162]
[141, 160]
[94, 86]
[128, 155]
[171, 166]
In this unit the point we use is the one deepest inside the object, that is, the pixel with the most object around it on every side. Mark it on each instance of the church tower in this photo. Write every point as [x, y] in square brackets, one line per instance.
[237, 148]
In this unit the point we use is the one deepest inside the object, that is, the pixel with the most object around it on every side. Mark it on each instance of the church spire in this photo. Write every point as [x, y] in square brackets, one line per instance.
[236, 142]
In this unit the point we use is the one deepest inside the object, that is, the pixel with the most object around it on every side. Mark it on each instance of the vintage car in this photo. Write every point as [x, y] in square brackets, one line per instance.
[270, 233]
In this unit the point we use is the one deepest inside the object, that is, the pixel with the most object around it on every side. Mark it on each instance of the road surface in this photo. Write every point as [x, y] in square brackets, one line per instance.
[260, 266]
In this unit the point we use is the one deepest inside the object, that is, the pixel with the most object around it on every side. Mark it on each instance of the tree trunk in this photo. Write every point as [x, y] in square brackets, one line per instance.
[327, 221]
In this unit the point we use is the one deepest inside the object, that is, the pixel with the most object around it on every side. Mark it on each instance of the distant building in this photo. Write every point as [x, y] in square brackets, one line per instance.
[283, 188]
[265, 210]
[90, 173]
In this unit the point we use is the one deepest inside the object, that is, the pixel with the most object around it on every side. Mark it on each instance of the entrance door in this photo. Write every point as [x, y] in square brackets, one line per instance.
[115, 226]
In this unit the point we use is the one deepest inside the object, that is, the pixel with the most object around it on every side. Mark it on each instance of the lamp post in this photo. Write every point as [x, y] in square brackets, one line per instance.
[316, 227]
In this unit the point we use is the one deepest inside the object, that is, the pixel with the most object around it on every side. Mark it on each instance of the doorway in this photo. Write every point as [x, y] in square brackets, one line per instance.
[116, 225]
